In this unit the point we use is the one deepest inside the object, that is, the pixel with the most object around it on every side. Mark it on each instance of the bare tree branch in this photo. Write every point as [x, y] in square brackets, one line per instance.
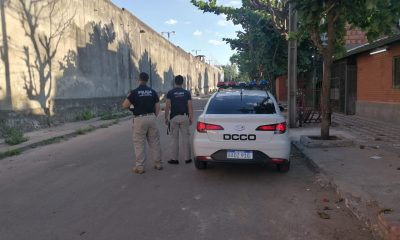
[278, 12]
[45, 44]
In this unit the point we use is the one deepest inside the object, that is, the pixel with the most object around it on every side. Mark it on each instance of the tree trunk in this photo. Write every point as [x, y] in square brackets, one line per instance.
[326, 81]
[325, 97]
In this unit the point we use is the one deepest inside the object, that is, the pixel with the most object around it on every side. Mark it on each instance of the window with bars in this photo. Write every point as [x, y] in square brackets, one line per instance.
[396, 72]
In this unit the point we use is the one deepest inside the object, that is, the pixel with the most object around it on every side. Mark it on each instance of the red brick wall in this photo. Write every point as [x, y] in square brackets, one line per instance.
[374, 76]
[355, 37]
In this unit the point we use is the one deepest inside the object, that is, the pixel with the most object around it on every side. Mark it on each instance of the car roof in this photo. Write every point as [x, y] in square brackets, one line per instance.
[243, 92]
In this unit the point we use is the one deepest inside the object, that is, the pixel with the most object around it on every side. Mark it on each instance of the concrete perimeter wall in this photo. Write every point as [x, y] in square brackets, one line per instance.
[60, 55]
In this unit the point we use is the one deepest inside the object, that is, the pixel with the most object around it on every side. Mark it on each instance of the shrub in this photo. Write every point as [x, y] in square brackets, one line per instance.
[85, 115]
[10, 153]
[12, 135]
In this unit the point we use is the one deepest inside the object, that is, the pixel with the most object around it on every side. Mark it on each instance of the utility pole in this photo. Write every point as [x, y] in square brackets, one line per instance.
[4, 55]
[292, 68]
[168, 33]
[195, 51]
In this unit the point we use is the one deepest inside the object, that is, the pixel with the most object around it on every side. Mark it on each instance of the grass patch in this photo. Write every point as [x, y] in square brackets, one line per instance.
[85, 115]
[12, 135]
[53, 140]
[10, 153]
[82, 131]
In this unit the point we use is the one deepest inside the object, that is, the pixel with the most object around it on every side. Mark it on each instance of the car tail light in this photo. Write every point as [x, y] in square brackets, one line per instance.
[203, 158]
[278, 160]
[277, 128]
[280, 128]
[204, 127]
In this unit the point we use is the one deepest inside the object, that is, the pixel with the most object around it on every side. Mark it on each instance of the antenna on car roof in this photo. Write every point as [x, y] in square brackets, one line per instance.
[268, 97]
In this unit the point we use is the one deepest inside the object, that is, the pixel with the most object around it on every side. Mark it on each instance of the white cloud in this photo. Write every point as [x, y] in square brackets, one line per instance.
[198, 33]
[220, 35]
[171, 22]
[223, 22]
[215, 42]
[226, 35]
[233, 3]
[188, 22]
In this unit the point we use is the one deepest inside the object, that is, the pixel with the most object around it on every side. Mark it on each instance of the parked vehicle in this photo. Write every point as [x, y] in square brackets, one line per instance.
[232, 84]
[221, 85]
[242, 84]
[242, 126]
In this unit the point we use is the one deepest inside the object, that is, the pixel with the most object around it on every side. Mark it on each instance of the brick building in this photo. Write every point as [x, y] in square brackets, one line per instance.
[368, 80]
[353, 38]
[365, 82]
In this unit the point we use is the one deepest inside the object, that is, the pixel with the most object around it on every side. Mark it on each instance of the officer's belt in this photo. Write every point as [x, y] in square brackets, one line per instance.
[184, 114]
[142, 115]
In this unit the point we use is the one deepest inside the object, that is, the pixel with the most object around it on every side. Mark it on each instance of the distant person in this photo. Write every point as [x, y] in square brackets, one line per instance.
[146, 108]
[179, 116]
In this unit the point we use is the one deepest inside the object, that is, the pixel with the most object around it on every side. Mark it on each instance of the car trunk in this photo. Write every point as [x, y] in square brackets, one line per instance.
[241, 128]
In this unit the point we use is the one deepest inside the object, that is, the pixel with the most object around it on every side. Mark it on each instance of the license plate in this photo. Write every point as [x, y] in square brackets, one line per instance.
[234, 154]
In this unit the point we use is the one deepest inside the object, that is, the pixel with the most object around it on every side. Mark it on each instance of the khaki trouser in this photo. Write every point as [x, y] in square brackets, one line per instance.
[145, 127]
[180, 123]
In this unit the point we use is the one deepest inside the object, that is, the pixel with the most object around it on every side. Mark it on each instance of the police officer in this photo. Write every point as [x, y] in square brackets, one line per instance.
[146, 108]
[179, 116]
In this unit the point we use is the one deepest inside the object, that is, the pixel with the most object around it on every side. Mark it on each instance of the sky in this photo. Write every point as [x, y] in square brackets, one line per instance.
[194, 30]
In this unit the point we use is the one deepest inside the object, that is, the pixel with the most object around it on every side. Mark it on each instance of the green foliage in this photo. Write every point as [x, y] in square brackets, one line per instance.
[376, 17]
[82, 131]
[196, 92]
[262, 45]
[10, 153]
[85, 115]
[230, 72]
[12, 135]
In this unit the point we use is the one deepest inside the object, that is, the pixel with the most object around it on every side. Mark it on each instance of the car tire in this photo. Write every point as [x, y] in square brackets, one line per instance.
[283, 167]
[200, 164]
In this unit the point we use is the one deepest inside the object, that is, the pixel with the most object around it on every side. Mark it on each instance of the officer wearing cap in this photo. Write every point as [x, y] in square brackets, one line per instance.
[146, 108]
[179, 116]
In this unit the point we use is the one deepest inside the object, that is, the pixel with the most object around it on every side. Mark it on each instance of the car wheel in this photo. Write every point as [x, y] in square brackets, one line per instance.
[200, 164]
[283, 167]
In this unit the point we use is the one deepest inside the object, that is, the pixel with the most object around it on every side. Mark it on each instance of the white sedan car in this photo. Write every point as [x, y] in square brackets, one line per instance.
[242, 126]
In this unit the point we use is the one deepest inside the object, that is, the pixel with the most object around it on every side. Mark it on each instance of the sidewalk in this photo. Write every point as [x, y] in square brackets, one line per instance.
[367, 174]
[56, 134]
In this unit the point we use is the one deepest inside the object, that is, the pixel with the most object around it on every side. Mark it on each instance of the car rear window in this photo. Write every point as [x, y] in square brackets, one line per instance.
[236, 104]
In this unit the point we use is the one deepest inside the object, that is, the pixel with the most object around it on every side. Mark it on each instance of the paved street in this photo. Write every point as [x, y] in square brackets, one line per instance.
[83, 189]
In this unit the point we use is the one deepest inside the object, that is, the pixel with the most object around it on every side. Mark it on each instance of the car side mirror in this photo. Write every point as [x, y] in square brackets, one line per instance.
[282, 109]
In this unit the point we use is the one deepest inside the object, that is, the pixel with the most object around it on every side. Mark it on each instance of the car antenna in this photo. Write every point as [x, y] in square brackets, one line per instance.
[268, 97]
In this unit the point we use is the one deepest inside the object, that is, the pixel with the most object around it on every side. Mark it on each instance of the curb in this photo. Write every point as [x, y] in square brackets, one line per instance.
[16, 150]
[313, 143]
[310, 163]
[382, 226]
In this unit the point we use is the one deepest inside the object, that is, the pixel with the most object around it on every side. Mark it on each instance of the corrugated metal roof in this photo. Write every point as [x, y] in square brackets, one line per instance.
[369, 46]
